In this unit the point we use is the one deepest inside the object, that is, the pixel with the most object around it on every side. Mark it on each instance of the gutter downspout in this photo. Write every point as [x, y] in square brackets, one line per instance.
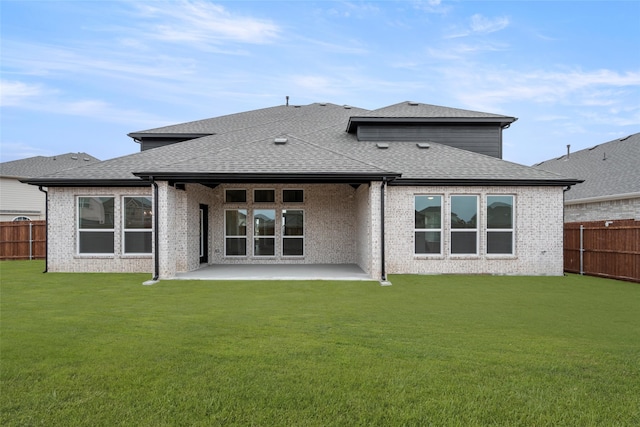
[383, 279]
[46, 229]
[156, 244]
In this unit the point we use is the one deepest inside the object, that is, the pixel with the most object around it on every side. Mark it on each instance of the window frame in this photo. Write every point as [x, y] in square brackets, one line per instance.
[257, 237]
[453, 230]
[417, 230]
[292, 189]
[80, 230]
[236, 236]
[227, 190]
[512, 230]
[291, 237]
[126, 230]
[273, 193]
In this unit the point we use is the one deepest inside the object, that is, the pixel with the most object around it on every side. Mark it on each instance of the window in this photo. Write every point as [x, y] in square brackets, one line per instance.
[464, 225]
[137, 220]
[293, 196]
[292, 232]
[264, 196]
[264, 232]
[428, 225]
[235, 232]
[95, 225]
[235, 196]
[500, 225]
[21, 218]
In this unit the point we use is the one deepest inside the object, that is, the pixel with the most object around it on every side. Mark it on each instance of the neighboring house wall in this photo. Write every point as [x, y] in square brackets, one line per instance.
[538, 223]
[63, 228]
[603, 210]
[18, 199]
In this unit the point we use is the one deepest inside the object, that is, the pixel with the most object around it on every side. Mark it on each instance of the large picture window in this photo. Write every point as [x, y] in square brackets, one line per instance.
[428, 225]
[235, 232]
[292, 232]
[464, 225]
[264, 232]
[95, 225]
[500, 224]
[137, 222]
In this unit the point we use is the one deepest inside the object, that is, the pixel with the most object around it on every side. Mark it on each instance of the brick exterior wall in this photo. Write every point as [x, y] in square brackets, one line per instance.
[538, 228]
[341, 226]
[603, 211]
[62, 233]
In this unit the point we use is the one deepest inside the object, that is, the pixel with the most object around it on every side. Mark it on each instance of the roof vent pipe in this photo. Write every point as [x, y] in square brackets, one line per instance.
[568, 150]
[287, 97]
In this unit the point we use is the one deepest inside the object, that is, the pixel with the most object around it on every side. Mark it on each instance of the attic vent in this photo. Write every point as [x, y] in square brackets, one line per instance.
[280, 141]
[423, 145]
[412, 103]
[594, 147]
[323, 104]
[347, 107]
[382, 145]
[74, 157]
[296, 106]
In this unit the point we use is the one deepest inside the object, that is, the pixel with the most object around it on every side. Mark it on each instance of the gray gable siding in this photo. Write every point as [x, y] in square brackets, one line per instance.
[481, 138]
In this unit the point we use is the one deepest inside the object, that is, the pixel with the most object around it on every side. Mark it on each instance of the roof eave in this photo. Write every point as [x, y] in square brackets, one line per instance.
[355, 121]
[71, 182]
[474, 182]
[168, 135]
[217, 178]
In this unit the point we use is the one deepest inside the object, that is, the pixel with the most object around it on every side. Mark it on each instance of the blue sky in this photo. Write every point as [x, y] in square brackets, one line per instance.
[80, 75]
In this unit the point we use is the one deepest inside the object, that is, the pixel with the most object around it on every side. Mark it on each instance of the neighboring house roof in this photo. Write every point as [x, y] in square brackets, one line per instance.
[303, 144]
[42, 165]
[610, 170]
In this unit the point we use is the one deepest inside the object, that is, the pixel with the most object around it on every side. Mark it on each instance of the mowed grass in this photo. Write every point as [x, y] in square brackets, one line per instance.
[103, 350]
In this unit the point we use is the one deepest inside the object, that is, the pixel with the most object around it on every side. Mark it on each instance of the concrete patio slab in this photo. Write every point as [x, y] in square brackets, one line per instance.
[276, 272]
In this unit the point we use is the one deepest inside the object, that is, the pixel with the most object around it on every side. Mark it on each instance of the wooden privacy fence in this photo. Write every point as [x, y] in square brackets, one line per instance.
[603, 248]
[23, 240]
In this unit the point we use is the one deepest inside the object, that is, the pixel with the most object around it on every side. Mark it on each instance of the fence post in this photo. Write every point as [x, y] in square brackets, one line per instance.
[30, 240]
[581, 249]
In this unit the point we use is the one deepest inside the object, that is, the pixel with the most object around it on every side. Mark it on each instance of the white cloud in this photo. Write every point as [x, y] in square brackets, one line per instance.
[203, 23]
[481, 24]
[14, 93]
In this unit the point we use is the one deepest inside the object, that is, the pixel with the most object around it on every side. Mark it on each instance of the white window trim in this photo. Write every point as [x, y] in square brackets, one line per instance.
[282, 235]
[512, 229]
[246, 251]
[94, 230]
[461, 230]
[441, 229]
[124, 228]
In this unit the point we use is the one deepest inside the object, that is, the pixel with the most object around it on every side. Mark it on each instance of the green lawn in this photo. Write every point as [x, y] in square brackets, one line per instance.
[103, 350]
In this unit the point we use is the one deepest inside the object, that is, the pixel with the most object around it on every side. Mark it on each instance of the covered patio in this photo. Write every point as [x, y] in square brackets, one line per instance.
[276, 272]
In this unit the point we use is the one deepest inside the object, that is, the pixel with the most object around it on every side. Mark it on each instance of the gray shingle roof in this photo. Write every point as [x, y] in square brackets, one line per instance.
[416, 109]
[608, 169]
[317, 144]
[42, 165]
